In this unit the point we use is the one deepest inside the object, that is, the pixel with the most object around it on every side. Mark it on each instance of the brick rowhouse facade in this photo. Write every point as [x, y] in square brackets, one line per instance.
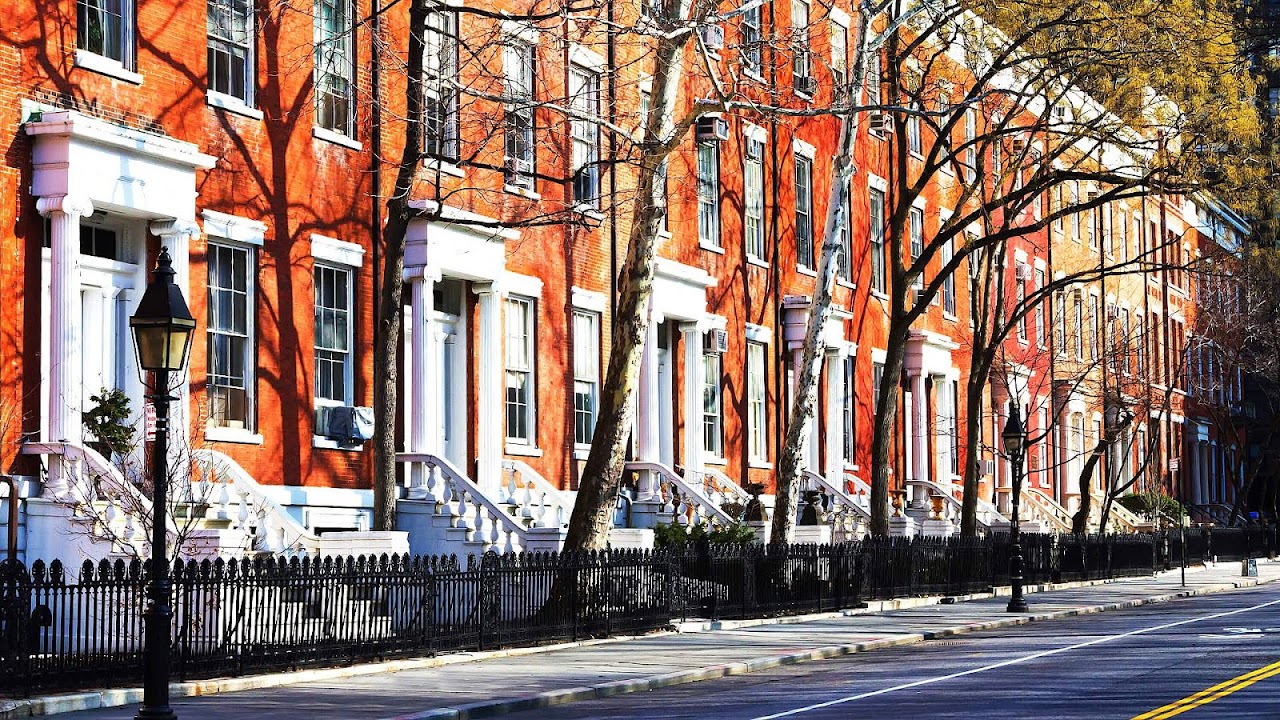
[270, 199]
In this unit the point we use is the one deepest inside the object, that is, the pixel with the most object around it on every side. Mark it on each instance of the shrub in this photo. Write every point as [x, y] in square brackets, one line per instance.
[1151, 504]
[675, 535]
[108, 422]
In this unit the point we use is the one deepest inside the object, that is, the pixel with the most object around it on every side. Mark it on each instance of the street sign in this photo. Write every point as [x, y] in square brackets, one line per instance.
[149, 422]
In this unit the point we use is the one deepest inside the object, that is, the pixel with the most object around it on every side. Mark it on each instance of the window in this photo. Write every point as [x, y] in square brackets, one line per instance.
[1060, 323]
[440, 96]
[873, 79]
[333, 339]
[335, 66]
[751, 38]
[105, 27]
[1077, 319]
[1140, 345]
[850, 365]
[801, 73]
[1055, 208]
[97, 241]
[1020, 287]
[1095, 337]
[586, 374]
[970, 152]
[1041, 310]
[915, 142]
[757, 417]
[753, 204]
[518, 61]
[844, 260]
[917, 241]
[712, 437]
[804, 211]
[520, 379]
[709, 194]
[949, 280]
[839, 53]
[876, 219]
[1123, 226]
[230, 29]
[584, 99]
[230, 336]
[877, 379]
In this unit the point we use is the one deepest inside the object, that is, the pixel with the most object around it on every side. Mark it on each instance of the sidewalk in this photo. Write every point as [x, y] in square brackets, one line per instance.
[481, 684]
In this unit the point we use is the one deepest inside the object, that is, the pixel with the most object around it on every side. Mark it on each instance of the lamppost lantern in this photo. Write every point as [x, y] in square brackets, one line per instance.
[162, 330]
[1014, 434]
[162, 325]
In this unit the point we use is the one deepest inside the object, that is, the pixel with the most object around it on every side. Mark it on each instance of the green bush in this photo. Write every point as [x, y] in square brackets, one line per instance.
[108, 422]
[674, 535]
[1151, 504]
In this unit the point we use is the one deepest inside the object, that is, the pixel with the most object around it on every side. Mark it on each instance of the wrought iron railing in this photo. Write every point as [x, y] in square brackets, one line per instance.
[64, 627]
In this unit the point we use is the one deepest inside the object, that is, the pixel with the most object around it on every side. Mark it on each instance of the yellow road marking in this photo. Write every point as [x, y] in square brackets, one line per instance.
[1208, 695]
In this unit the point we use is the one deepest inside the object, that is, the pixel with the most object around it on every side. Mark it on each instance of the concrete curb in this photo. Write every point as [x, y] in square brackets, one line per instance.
[107, 698]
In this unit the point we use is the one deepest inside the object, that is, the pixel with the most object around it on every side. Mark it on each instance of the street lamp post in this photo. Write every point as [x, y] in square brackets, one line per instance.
[1015, 440]
[162, 329]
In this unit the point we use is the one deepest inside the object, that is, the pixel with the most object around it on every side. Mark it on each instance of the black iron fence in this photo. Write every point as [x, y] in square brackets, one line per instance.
[66, 627]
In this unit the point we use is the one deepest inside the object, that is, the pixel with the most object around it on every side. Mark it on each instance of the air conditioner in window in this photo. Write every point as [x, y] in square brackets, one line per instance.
[520, 166]
[713, 37]
[986, 467]
[717, 341]
[1021, 271]
[880, 122]
[345, 424]
[712, 128]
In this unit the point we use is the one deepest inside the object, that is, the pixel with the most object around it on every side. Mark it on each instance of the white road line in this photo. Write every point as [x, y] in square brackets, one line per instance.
[1006, 663]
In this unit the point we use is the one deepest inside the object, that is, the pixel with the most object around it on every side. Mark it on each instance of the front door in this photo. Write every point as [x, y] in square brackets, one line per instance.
[452, 394]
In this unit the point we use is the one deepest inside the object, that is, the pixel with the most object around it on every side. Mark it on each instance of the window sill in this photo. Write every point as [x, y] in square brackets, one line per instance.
[231, 104]
[878, 135]
[752, 75]
[580, 452]
[753, 260]
[589, 213]
[802, 270]
[714, 460]
[336, 138]
[711, 248]
[807, 97]
[522, 192]
[444, 167]
[880, 295]
[239, 436]
[759, 465]
[321, 442]
[846, 284]
[94, 62]
[949, 317]
[522, 450]
[664, 234]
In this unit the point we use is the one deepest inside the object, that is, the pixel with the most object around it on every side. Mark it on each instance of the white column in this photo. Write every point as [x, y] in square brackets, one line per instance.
[920, 427]
[693, 382]
[809, 453]
[648, 425]
[490, 430]
[176, 235]
[425, 422]
[943, 423]
[836, 430]
[65, 335]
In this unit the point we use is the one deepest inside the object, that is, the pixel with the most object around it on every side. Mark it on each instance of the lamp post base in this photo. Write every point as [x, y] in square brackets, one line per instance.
[1017, 605]
[160, 713]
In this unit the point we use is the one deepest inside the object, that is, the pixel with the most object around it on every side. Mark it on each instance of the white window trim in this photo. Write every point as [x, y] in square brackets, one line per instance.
[219, 433]
[801, 147]
[588, 300]
[754, 460]
[350, 370]
[759, 333]
[335, 137]
[231, 104]
[337, 252]
[586, 58]
[525, 285]
[597, 341]
[104, 65]
[519, 446]
[522, 31]
[751, 131]
[234, 228]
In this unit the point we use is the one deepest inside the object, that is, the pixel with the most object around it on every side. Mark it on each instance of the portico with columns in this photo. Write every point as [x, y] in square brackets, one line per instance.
[930, 374]
[824, 448]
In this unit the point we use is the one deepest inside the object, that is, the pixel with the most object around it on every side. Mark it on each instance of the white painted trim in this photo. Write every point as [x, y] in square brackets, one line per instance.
[583, 57]
[336, 251]
[839, 17]
[877, 182]
[513, 448]
[588, 300]
[106, 66]
[759, 333]
[801, 147]
[231, 104]
[233, 228]
[336, 138]
[232, 435]
[523, 285]
[521, 31]
[878, 356]
[666, 267]
[714, 322]
[466, 220]
[751, 131]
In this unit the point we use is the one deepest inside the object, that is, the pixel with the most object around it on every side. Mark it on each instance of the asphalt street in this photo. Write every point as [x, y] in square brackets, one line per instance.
[1137, 663]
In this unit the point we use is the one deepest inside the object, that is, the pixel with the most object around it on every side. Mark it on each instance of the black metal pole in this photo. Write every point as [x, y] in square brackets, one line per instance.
[158, 615]
[1016, 602]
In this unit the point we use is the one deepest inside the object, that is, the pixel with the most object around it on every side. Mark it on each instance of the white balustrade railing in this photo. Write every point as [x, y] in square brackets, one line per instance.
[848, 517]
[532, 498]
[717, 487]
[233, 494]
[681, 500]
[1121, 515]
[470, 507]
[952, 507]
[1046, 509]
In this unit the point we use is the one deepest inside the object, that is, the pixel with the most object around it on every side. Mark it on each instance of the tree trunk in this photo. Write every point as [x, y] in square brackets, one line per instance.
[972, 447]
[386, 340]
[1080, 521]
[602, 474]
[881, 440]
[791, 457]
